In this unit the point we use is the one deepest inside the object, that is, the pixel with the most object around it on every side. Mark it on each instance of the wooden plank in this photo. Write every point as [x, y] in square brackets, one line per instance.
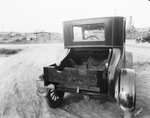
[81, 87]
[71, 76]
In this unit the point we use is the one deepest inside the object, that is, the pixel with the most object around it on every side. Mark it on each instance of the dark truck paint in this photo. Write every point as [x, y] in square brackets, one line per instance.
[95, 63]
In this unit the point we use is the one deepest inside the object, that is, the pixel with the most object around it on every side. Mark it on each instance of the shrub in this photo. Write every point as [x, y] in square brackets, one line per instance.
[9, 51]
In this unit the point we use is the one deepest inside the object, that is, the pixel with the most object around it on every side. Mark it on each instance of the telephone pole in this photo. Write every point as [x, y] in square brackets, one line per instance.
[131, 31]
[130, 26]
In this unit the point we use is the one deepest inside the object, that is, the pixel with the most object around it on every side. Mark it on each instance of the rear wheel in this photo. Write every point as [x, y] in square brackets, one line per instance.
[55, 98]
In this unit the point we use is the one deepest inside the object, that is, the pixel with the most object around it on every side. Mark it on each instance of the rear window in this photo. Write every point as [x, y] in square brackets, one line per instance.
[89, 32]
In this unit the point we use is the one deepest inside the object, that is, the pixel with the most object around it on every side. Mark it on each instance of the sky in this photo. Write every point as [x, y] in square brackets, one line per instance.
[48, 15]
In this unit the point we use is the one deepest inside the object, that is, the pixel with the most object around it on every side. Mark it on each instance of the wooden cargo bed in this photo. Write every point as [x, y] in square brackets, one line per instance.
[73, 76]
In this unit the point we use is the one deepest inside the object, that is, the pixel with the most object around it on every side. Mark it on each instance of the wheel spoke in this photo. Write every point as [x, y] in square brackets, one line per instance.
[51, 94]
[55, 98]
[51, 91]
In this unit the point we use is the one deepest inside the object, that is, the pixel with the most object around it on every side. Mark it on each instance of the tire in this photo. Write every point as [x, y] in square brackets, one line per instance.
[134, 99]
[54, 98]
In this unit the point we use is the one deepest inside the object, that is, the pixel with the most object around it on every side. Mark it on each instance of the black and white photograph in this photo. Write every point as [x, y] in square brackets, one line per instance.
[74, 59]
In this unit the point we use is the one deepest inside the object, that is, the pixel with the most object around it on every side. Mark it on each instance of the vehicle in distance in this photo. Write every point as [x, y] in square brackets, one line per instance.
[143, 39]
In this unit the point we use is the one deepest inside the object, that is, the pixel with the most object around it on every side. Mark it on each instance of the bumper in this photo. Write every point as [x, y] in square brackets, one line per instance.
[41, 89]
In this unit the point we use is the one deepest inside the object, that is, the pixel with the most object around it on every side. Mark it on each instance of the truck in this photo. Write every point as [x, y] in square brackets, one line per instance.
[95, 63]
[143, 39]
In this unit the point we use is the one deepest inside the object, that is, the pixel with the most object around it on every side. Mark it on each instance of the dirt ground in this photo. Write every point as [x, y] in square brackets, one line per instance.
[18, 98]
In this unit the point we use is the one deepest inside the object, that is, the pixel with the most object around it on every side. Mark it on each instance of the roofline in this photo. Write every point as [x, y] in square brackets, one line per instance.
[94, 18]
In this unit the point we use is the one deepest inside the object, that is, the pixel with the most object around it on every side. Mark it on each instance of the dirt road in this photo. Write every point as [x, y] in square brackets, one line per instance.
[18, 97]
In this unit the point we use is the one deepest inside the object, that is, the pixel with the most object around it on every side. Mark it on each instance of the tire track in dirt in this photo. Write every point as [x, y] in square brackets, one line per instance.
[18, 96]
[18, 87]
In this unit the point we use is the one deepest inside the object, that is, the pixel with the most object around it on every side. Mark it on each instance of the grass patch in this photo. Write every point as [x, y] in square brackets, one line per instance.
[9, 51]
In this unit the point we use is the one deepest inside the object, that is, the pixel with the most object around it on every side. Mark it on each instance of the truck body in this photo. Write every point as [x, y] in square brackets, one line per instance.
[95, 62]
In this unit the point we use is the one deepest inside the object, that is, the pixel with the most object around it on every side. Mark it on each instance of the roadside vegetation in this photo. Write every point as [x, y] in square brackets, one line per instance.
[33, 37]
[4, 51]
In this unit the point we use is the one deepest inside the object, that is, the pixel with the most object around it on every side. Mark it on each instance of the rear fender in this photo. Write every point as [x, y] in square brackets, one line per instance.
[128, 60]
[125, 92]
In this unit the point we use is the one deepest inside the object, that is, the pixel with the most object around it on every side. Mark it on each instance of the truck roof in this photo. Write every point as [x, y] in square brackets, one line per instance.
[113, 29]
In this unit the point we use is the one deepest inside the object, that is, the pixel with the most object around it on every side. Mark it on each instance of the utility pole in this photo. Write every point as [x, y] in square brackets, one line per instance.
[131, 31]
[130, 26]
